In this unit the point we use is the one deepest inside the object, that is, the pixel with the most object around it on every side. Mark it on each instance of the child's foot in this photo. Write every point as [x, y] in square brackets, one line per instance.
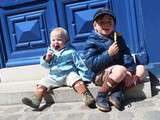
[88, 99]
[116, 99]
[34, 102]
[102, 102]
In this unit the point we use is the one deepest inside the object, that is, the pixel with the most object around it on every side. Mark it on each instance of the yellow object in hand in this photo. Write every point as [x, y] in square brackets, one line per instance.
[115, 37]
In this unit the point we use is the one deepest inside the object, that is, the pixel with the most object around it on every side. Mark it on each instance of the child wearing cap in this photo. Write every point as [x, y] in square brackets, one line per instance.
[109, 58]
[65, 68]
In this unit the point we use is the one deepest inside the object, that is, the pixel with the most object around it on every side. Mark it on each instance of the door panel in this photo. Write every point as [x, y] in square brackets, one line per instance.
[1, 51]
[26, 27]
[77, 18]
[130, 23]
[152, 28]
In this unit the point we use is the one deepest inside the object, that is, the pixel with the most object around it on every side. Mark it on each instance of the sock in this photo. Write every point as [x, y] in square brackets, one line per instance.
[80, 87]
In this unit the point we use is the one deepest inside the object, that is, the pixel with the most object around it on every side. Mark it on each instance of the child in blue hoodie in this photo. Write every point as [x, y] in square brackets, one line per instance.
[65, 68]
[109, 58]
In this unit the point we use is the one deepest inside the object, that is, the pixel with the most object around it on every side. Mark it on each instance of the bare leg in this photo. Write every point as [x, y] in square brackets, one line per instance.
[81, 88]
[111, 78]
[36, 99]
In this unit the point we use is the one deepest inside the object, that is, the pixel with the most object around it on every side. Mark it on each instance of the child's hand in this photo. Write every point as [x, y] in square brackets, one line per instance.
[113, 49]
[49, 56]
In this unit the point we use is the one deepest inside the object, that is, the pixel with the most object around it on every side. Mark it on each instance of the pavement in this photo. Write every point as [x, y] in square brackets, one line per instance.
[147, 109]
[74, 109]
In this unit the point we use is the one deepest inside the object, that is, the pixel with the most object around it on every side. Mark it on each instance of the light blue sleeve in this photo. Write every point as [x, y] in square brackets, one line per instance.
[44, 63]
[83, 71]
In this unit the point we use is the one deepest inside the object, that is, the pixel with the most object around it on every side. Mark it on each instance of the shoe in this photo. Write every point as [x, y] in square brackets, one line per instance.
[117, 99]
[88, 99]
[102, 102]
[34, 102]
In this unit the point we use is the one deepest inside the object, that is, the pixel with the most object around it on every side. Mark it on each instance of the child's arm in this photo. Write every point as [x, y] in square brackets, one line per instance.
[82, 69]
[45, 60]
[113, 49]
[94, 59]
[49, 56]
[127, 57]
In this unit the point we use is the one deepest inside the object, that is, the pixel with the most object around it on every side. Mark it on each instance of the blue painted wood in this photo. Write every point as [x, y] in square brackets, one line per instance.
[79, 19]
[151, 18]
[27, 25]
[1, 52]
[154, 69]
[130, 23]
[9, 3]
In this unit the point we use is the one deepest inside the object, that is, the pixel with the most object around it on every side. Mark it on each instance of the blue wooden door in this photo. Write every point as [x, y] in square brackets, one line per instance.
[25, 26]
[79, 23]
[24, 30]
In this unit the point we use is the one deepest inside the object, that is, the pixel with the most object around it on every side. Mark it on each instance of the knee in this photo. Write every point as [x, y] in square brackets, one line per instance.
[118, 73]
[120, 70]
[140, 71]
[140, 68]
[40, 90]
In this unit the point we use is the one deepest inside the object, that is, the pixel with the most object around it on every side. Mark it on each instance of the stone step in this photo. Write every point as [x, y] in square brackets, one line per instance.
[13, 92]
[18, 82]
[22, 73]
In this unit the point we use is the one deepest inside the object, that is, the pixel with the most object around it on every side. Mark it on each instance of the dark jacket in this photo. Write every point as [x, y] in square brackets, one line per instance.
[96, 55]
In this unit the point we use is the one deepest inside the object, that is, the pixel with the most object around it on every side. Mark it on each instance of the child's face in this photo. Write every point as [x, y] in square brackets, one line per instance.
[104, 25]
[57, 43]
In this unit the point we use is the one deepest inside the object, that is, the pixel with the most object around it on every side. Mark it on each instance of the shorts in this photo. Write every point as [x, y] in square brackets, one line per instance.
[49, 82]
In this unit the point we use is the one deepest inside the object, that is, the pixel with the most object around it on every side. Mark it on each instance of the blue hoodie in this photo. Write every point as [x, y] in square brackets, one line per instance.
[96, 57]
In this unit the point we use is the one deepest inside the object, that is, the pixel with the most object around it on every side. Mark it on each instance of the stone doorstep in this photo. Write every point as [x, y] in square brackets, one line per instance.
[64, 94]
[18, 82]
[22, 73]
